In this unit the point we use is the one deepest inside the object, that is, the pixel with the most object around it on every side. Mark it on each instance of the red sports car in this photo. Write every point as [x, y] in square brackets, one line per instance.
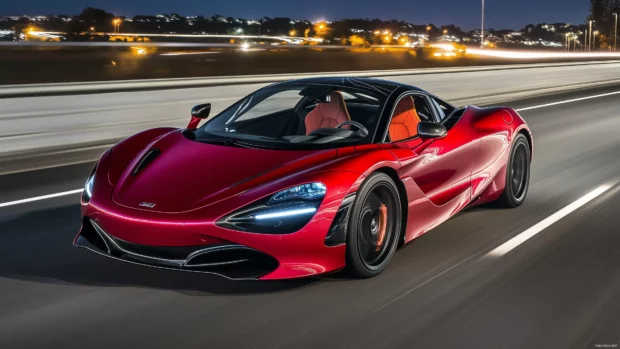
[302, 178]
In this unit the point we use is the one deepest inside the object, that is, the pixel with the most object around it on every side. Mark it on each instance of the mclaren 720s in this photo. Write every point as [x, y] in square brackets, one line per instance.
[302, 178]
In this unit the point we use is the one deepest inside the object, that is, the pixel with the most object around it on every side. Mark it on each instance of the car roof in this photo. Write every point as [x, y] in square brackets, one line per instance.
[368, 84]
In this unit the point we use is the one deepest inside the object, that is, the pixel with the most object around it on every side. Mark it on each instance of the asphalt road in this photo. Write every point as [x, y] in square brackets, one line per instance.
[559, 289]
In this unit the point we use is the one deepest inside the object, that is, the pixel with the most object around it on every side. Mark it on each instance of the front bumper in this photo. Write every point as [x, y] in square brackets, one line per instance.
[167, 239]
[230, 260]
[180, 243]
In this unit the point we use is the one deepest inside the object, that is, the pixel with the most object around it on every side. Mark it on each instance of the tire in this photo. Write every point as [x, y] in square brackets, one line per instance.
[374, 226]
[517, 174]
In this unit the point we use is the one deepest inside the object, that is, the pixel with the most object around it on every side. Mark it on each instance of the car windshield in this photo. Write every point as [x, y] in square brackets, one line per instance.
[297, 117]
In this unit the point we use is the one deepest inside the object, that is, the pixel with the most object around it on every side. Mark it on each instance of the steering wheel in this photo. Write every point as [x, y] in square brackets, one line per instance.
[362, 130]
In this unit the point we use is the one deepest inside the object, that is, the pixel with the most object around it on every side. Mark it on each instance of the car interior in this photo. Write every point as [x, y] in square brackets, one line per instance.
[319, 115]
[315, 119]
[408, 113]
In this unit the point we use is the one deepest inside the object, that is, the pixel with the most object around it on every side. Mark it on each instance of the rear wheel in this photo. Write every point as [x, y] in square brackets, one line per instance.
[517, 174]
[374, 226]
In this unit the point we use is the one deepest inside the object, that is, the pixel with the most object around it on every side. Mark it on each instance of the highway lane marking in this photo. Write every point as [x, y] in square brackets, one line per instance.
[568, 101]
[38, 198]
[545, 223]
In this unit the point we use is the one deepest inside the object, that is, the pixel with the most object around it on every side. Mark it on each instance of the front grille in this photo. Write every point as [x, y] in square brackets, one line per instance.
[228, 259]
[173, 252]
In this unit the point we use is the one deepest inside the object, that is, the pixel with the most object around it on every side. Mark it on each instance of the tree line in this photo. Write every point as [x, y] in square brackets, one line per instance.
[602, 13]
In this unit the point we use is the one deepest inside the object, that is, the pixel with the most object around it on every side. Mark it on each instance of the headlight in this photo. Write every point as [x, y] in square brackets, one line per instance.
[308, 191]
[282, 213]
[88, 187]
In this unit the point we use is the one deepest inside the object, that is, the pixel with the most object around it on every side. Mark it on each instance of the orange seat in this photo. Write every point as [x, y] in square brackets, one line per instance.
[405, 121]
[326, 115]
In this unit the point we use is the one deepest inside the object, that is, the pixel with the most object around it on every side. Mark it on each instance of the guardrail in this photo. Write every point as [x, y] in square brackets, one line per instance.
[29, 90]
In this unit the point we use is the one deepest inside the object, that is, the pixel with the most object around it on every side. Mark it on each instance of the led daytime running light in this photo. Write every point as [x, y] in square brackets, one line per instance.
[287, 213]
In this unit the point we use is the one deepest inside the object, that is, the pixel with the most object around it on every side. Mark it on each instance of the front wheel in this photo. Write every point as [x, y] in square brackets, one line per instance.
[374, 226]
[517, 174]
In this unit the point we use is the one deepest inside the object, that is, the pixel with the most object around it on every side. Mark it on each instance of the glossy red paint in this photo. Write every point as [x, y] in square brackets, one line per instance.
[126, 150]
[189, 175]
[193, 123]
[193, 185]
[443, 176]
[300, 254]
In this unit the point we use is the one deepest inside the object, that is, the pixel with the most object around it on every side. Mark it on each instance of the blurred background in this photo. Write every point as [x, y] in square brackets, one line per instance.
[74, 80]
[97, 45]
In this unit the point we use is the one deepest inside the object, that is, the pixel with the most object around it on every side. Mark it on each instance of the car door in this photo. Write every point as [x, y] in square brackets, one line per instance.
[440, 168]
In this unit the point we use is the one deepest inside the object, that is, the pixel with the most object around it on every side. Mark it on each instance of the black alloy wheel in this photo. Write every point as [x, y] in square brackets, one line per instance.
[517, 174]
[374, 226]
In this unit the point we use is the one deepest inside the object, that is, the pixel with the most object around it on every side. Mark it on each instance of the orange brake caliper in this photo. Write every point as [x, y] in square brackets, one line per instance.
[382, 225]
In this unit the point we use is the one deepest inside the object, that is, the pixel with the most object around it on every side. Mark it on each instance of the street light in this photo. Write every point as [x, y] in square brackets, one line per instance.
[591, 34]
[615, 31]
[292, 32]
[594, 40]
[482, 28]
[575, 42]
[117, 25]
[445, 31]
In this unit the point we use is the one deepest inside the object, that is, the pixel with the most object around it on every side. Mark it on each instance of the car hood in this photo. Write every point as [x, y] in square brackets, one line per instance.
[187, 175]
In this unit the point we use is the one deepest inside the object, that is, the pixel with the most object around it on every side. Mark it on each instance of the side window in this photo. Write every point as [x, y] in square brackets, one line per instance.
[408, 113]
[278, 102]
[444, 109]
[423, 109]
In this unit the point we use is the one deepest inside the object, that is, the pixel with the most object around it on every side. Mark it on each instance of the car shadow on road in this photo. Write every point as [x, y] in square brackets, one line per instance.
[37, 246]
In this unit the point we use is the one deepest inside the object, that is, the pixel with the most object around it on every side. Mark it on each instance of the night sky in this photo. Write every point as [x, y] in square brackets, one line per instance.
[500, 14]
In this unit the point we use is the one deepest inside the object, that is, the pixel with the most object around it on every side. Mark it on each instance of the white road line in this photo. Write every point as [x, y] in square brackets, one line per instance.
[568, 101]
[12, 203]
[545, 223]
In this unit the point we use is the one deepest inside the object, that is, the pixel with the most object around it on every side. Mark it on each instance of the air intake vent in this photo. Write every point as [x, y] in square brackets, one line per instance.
[453, 119]
[146, 160]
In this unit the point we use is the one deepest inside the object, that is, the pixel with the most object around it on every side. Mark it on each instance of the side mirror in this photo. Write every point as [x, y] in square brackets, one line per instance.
[199, 113]
[431, 130]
